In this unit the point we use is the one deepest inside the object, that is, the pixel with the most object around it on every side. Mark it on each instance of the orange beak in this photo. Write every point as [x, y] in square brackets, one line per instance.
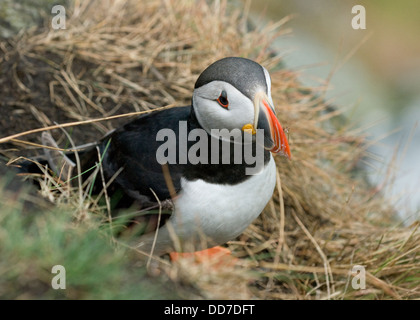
[265, 118]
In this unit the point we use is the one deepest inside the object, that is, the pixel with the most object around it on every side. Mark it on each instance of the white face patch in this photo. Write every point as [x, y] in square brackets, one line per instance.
[211, 115]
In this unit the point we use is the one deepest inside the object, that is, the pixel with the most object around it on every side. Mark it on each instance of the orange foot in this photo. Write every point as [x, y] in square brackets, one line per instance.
[216, 256]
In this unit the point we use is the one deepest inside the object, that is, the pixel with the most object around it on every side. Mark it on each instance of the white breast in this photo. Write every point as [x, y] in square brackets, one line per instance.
[222, 212]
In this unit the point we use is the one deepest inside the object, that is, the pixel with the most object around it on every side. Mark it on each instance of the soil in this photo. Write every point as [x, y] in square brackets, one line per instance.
[26, 103]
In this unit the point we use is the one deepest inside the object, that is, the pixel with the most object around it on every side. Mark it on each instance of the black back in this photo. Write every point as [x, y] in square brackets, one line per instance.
[133, 147]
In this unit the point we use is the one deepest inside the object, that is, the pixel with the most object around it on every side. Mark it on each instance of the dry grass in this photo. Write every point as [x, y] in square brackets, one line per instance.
[128, 56]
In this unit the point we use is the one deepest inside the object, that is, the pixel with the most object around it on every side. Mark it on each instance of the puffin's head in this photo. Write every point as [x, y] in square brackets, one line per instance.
[236, 93]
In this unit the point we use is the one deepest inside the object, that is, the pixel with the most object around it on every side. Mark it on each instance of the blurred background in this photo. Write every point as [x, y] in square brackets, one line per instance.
[374, 74]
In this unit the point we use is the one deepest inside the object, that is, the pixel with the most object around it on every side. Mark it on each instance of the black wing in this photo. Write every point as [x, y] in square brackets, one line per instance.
[133, 148]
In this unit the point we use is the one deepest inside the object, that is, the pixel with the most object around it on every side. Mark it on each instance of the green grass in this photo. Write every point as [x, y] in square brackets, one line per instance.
[33, 241]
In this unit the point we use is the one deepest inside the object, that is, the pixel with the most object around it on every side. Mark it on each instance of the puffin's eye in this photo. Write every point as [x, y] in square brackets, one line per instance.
[223, 101]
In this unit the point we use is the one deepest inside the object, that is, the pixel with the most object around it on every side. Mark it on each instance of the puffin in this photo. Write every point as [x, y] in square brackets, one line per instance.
[211, 163]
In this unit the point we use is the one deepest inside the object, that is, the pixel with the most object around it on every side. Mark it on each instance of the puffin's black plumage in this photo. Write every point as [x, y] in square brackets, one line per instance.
[245, 75]
[133, 147]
